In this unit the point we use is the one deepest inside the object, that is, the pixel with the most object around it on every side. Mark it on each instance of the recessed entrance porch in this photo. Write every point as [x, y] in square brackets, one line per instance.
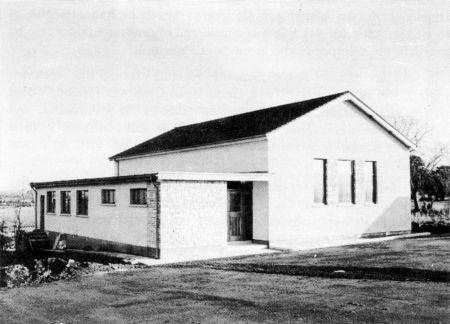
[240, 211]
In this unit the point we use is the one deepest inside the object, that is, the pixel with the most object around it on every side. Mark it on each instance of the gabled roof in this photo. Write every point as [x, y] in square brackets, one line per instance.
[243, 126]
[249, 125]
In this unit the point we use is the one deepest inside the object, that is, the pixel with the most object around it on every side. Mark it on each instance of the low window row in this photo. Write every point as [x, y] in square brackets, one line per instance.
[138, 196]
[345, 174]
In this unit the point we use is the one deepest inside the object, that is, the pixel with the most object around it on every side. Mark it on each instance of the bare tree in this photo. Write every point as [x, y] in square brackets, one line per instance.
[411, 128]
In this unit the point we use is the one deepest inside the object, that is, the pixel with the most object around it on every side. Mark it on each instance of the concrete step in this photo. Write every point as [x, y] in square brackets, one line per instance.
[211, 252]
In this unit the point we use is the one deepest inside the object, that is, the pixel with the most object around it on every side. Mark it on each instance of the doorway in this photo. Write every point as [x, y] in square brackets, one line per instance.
[42, 212]
[240, 215]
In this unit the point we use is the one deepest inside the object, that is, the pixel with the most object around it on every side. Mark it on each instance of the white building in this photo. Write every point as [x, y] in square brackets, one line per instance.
[324, 168]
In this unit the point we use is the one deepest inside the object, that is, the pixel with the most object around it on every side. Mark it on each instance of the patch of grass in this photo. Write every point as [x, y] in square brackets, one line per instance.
[424, 253]
[197, 294]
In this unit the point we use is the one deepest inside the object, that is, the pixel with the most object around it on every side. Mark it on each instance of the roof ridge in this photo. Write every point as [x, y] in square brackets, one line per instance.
[338, 94]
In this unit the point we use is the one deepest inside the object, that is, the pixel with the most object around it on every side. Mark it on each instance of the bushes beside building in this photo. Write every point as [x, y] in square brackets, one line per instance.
[40, 270]
[431, 219]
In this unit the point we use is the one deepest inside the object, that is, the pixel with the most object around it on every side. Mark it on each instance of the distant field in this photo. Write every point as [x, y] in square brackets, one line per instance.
[26, 215]
[437, 205]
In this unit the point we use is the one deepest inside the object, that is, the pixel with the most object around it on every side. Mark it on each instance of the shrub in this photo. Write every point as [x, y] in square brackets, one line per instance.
[40, 272]
[17, 275]
[434, 221]
[6, 240]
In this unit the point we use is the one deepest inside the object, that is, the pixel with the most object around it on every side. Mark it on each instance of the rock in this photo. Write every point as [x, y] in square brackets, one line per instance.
[71, 263]
[46, 274]
[61, 245]
[353, 303]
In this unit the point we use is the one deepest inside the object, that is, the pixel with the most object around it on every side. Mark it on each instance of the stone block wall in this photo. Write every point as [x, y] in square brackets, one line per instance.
[193, 214]
[153, 215]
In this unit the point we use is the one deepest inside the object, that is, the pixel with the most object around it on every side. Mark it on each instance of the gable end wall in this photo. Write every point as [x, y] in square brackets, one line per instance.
[337, 131]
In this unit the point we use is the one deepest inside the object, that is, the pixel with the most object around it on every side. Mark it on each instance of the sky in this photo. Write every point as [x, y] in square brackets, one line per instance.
[83, 80]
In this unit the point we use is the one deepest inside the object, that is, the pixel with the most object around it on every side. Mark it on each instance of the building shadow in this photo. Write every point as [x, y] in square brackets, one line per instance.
[338, 272]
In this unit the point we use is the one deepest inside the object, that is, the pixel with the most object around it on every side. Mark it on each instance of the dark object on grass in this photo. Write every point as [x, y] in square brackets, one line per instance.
[56, 265]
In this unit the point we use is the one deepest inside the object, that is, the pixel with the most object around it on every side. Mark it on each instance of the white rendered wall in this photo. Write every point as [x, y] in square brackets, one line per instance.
[242, 157]
[193, 214]
[333, 132]
[260, 211]
[120, 223]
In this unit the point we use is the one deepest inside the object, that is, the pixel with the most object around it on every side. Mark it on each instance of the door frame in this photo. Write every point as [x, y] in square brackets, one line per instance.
[42, 212]
[245, 190]
[235, 214]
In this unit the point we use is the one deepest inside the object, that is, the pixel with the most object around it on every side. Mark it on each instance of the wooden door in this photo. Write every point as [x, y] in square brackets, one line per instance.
[236, 217]
[42, 212]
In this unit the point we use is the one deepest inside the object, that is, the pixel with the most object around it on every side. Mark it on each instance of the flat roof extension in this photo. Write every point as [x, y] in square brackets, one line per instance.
[94, 181]
[161, 176]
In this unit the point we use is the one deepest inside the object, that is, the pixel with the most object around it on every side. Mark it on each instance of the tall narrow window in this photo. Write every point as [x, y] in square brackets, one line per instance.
[65, 202]
[346, 181]
[320, 181]
[51, 202]
[138, 196]
[370, 181]
[82, 202]
[108, 196]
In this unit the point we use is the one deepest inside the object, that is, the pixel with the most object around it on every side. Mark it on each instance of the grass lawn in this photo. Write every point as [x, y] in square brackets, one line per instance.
[429, 254]
[214, 292]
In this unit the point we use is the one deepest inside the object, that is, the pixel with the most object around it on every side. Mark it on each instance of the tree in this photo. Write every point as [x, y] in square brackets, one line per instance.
[411, 128]
[443, 174]
[418, 176]
[425, 179]
[5, 242]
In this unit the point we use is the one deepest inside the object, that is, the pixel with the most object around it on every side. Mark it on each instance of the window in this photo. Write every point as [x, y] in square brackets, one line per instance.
[65, 202]
[108, 196]
[320, 181]
[51, 202]
[370, 181]
[82, 202]
[138, 196]
[346, 181]
[235, 201]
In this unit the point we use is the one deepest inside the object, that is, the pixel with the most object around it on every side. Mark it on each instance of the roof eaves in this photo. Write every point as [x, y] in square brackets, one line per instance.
[94, 181]
[386, 125]
[133, 147]
[190, 148]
